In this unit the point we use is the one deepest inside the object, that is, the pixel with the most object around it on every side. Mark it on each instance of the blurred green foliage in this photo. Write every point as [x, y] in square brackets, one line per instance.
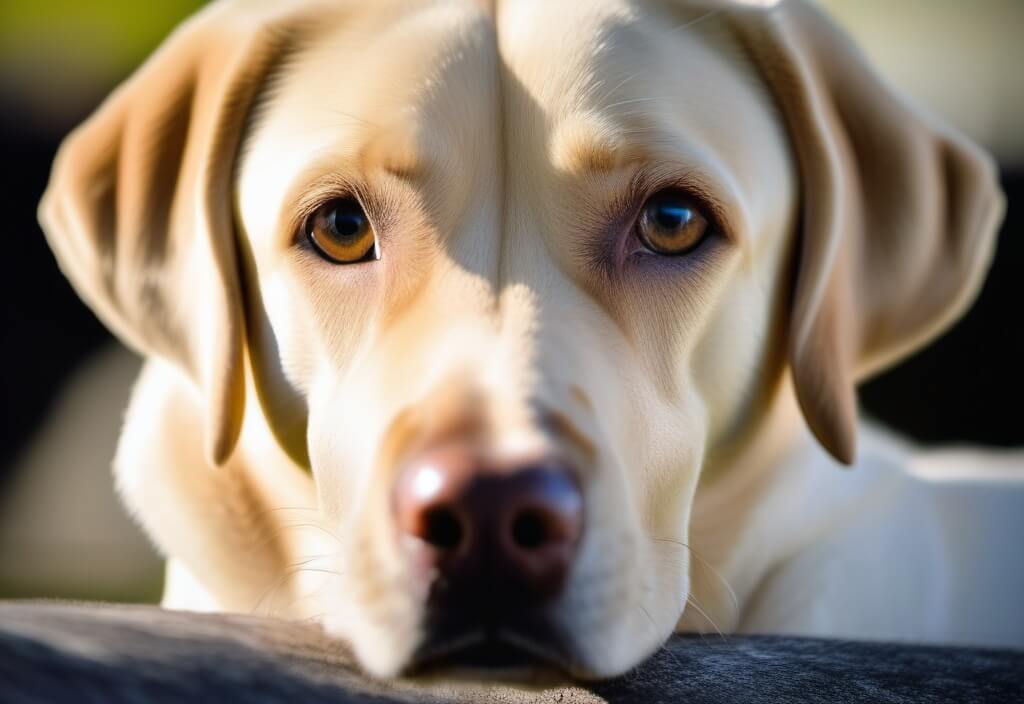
[111, 35]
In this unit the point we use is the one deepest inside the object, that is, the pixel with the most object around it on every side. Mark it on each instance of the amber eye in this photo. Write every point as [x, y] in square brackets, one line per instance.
[671, 224]
[341, 233]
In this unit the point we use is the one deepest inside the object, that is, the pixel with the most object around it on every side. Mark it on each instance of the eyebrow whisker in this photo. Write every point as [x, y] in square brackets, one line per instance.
[633, 100]
[618, 86]
[691, 24]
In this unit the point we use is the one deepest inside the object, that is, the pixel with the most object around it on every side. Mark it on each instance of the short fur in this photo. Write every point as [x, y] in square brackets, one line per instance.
[497, 147]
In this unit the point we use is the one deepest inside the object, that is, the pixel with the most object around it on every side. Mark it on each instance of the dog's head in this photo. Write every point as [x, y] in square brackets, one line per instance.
[508, 277]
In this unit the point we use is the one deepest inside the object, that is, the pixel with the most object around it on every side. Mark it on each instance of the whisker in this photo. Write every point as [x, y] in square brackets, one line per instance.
[633, 100]
[664, 646]
[277, 530]
[692, 601]
[308, 595]
[317, 569]
[733, 600]
[617, 86]
[274, 531]
[290, 571]
[710, 14]
[321, 528]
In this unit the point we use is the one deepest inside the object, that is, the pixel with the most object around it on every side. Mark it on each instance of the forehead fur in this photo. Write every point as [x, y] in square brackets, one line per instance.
[458, 95]
[419, 62]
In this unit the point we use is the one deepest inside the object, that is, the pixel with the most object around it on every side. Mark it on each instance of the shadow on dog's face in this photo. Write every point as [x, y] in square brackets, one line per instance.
[512, 275]
[557, 294]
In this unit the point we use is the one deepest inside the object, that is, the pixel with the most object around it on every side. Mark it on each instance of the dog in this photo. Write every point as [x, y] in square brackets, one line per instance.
[511, 337]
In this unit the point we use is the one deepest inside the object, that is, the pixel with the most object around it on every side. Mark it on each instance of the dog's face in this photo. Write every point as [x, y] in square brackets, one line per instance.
[517, 291]
[509, 280]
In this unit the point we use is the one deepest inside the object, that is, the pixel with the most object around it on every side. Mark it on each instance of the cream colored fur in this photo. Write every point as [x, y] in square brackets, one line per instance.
[494, 145]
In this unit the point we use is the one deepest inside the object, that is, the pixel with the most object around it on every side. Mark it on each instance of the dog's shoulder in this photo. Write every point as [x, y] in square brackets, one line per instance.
[910, 544]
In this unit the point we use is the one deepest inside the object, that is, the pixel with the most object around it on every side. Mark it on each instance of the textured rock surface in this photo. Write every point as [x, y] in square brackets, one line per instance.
[54, 652]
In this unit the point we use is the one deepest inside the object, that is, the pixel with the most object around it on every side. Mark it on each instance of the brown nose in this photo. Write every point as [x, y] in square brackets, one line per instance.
[511, 530]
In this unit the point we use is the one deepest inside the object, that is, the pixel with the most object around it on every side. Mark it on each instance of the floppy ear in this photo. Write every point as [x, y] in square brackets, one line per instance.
[899, 213]
[139, 207]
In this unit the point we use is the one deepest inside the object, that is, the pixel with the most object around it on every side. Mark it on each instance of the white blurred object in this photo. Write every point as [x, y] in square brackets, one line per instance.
[963, 59]
[63, 531]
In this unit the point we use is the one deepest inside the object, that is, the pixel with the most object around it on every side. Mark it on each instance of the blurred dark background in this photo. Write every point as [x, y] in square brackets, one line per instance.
[58, 58]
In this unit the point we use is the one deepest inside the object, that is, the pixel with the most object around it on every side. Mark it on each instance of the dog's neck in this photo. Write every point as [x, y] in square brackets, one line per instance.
[732, 546]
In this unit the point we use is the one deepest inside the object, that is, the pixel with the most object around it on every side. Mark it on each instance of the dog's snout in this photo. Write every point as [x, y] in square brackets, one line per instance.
[512, 528]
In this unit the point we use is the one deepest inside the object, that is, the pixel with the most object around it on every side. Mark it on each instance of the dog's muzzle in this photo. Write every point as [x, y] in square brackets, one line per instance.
[494, 545]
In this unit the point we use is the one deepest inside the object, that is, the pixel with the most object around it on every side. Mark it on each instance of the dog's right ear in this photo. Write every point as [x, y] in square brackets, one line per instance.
[139, 207]
[899, 213]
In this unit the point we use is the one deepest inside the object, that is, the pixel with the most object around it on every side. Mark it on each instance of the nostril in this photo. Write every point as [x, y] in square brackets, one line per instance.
[443, 529]
[513, 528]
[530, 530]
[546, 509]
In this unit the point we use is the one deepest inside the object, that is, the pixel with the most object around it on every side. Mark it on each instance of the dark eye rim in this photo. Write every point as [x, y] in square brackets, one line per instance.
[612, 249]
[307, 237]
[694, 201]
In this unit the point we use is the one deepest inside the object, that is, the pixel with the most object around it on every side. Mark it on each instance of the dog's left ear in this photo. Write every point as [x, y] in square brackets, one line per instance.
[139, 209]
[899, 213]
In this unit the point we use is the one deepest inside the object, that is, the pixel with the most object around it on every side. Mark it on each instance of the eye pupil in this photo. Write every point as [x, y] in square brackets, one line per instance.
[671, 216]
[347, 219]
[669, 224]
[340, 232]
[348, 224]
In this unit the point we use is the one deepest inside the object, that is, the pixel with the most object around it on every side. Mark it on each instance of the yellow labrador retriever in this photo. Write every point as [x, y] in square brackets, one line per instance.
[516, 335]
